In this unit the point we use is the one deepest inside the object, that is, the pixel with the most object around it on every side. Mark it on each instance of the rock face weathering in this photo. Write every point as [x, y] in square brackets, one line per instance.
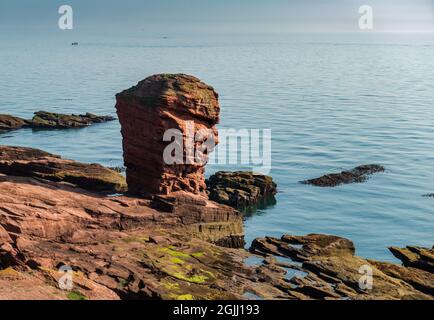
[146, 111]
[167, 103]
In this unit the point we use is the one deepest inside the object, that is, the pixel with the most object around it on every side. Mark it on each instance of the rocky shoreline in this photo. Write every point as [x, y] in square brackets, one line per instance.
[129, 248]
[163, 232]
[48, 120]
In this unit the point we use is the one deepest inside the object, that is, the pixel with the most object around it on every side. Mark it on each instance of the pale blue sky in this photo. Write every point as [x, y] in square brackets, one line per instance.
[239, 16]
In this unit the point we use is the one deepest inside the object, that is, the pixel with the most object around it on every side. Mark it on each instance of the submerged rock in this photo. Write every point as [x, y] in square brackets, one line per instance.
[8, 123]
[356, 175]
[49, 120]
[241, 190]
[146, 112]
[29, 162]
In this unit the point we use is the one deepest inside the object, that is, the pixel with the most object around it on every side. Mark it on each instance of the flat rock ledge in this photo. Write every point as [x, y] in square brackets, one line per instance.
[49, 120]
[241, 190]
[356, 175]
[29, 162]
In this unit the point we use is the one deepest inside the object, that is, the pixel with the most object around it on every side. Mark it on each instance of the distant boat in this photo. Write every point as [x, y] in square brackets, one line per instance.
[74, 44]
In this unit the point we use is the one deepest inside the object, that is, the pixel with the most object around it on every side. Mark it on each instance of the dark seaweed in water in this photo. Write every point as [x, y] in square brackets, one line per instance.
[356, 175]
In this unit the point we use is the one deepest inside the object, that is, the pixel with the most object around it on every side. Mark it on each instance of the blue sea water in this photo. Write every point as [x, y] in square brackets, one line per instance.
[332, 102]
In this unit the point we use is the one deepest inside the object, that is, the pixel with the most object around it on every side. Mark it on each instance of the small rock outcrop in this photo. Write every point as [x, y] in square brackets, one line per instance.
[8, 123]
[50, 120]
[241, 190]
[356, 175]
[146, 111]
[29, 162]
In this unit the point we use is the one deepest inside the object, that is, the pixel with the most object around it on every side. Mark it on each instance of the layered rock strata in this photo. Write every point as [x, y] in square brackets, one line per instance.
[122, 248]
[169, 104]
[29, 162]
[330, 270]
[241, 190]
[118, 247]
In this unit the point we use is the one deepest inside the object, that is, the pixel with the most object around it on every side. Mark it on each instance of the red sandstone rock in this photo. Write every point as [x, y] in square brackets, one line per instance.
[118, 247]
[121, 248]
[29, 162]
[146, 112]
[8, 122]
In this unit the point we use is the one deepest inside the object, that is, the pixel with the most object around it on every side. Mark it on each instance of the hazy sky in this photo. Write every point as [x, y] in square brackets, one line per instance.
[239, 16]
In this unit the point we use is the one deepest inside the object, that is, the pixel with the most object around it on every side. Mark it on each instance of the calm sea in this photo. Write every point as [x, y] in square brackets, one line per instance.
[332, 102]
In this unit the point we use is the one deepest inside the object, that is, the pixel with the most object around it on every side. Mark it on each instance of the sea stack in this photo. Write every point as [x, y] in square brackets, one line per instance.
[156, 106]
